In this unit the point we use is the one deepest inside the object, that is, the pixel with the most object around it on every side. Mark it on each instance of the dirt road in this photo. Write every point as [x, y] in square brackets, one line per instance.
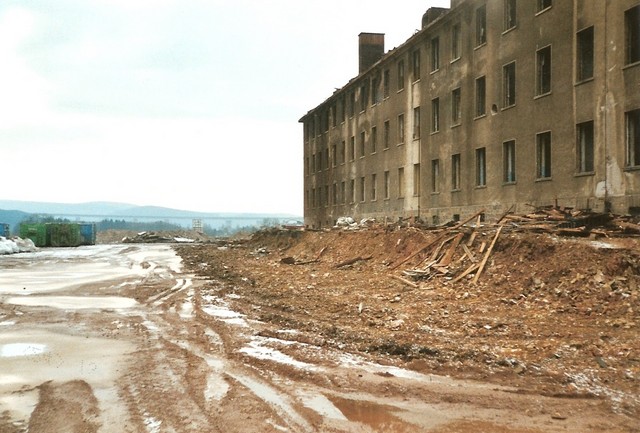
[120, 338]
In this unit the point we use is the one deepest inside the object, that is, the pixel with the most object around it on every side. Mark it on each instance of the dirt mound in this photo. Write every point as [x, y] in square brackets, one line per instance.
[553, 315]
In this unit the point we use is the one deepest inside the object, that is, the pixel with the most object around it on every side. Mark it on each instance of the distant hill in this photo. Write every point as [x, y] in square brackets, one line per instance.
[96, 211]
[90, 208]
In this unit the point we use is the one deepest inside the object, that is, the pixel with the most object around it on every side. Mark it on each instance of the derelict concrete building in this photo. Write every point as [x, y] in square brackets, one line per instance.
[492, 104]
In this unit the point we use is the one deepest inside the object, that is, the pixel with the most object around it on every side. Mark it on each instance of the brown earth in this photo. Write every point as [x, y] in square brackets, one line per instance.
[549, 316]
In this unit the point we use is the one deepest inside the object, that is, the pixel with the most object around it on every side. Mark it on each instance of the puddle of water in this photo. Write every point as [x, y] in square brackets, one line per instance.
[216, 387]
[322, 405]
[378, 417]
[13, 350]
[34, 356]
[74, 302]
[257, 350]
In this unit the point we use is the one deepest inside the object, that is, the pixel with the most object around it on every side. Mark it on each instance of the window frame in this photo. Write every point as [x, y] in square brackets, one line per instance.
[510, 15]
[632, 138]
[543, 156]
[632, 35]
[509, 162]
[435, 115]
[456, 161]
[481, 26]
[580, 54]
[481, 102]
[481, 167]
[544, 66]
[509, 87]
[435, 54]
[456, 106]
[585, 147]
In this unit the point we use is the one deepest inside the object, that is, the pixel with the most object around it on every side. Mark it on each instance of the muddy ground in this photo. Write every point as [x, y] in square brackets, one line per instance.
[269, 335]
[549, 316]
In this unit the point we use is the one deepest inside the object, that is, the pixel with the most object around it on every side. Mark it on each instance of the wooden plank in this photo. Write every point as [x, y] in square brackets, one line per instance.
[470, 269]
[446, 260]
[482, 247]
[415, 253]
[472, 238]
[486, 256]
[469, 254]
[405, 281]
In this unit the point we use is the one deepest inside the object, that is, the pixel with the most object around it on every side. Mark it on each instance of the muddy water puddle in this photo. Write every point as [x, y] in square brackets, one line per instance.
[378, 417]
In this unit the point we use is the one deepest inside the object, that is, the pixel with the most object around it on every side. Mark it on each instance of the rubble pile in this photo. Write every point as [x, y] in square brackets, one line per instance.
[539, 309]
[153, 237]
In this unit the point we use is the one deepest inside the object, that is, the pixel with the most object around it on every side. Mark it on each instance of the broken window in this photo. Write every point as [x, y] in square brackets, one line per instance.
[455, 42]
[543, 155]
[374, 139]
[375, 90]
[455, 172]
[585, 54]
[364, 96]
[343, 152]
[509, 84]
[387, 184]
[435, 175]
[416, 180]
[632, 34]
[509, 161]
[401, 128]
[386, 83]
[584, 147]
[334, 193]
[435, 115]
[542, 5]
[352, 148]
[362, 144]
[362, 189]
[481, 108]
[456, 106]
[509, 14]
[481, 26]
[400, 75]
[387, 134]
[632, 120]
[416, 123]
[352, 190]
[481, 167]
[352, 104]
[435, 54]
[401, 182]
[374, 187]
[543, 71]
[415, 63]
[334, 155]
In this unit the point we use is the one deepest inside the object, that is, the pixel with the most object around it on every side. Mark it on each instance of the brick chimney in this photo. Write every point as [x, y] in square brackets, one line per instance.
[371, 49]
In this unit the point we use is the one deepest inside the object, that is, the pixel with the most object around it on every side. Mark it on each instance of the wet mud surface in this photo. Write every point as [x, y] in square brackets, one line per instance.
[132, 338]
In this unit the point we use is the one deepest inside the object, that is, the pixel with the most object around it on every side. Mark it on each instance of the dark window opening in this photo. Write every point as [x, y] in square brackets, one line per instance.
[585, 54]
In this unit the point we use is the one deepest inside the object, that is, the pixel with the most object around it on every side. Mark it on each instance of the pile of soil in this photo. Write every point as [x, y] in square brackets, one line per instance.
[549, 315]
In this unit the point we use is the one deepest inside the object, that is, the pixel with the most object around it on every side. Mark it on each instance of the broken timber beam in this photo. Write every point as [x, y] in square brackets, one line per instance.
[446, 260]
[486, 256]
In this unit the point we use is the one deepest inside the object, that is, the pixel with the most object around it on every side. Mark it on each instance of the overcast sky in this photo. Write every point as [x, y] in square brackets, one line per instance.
[189, 104]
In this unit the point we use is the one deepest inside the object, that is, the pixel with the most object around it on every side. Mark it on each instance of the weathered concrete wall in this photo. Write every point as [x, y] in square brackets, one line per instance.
[379, 98]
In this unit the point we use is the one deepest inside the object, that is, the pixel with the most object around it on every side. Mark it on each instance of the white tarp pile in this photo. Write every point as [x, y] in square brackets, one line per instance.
[16, 245]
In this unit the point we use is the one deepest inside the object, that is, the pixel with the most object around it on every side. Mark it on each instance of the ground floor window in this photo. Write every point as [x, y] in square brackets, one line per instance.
[543, 155]
[632, 119]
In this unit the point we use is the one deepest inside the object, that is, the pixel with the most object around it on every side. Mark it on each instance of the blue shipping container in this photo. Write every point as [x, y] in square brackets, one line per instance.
[87, 234]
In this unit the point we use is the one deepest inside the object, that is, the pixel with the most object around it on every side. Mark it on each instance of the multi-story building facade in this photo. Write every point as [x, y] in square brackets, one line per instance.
[493, 104]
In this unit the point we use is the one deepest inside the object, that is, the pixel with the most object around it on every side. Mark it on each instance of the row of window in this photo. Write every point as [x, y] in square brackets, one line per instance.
[584, 70]
[357, 189]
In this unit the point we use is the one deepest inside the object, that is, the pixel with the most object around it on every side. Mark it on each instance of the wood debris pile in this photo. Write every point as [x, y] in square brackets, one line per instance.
[458, 252]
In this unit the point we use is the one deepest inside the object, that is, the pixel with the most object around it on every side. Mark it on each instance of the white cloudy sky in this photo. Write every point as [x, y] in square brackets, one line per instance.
[190, 104]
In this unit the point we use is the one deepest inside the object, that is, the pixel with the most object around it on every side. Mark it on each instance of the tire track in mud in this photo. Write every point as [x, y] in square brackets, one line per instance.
[194, 346]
